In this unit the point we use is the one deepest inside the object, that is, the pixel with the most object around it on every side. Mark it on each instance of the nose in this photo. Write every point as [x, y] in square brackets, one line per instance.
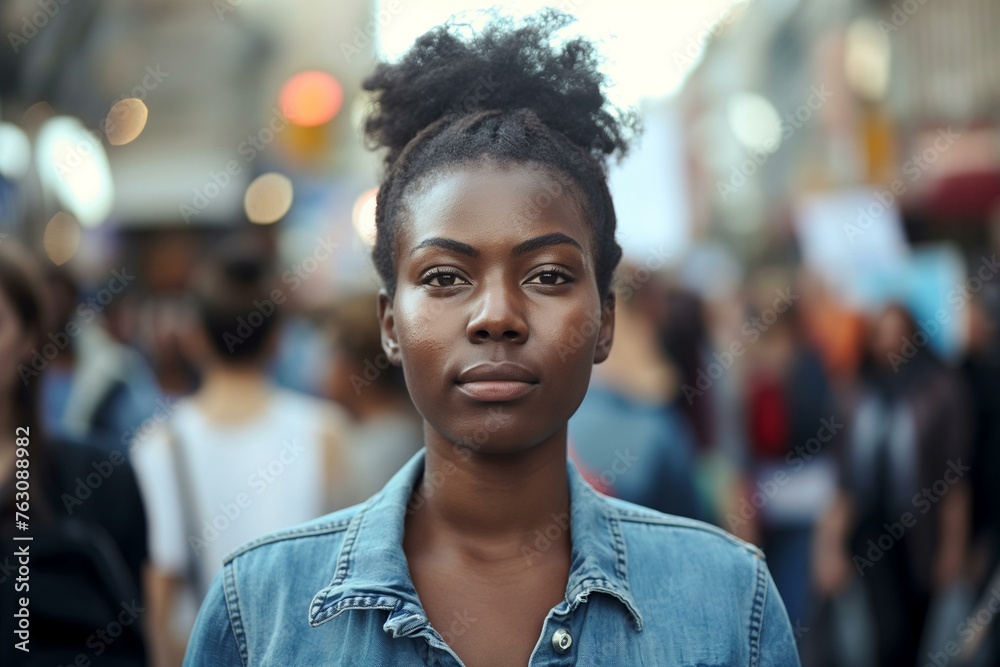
[498, 315]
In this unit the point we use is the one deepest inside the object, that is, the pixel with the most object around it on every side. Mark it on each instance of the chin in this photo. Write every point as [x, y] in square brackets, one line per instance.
[497, 435]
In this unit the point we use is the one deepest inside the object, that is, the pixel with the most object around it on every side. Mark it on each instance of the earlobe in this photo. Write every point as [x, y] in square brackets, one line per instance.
[606, 332]
[387, 325]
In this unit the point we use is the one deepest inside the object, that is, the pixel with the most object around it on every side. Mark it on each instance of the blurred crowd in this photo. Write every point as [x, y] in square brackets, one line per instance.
[860, 459]
[190, 356]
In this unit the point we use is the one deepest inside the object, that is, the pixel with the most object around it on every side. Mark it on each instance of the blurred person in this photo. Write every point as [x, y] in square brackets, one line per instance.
[699, 336]
[791, 424]
[79, 504]
[385, 430]
[95, 387]
[237, 459]
[496, 249]
[628, 435]
[901, 518]
[981, 368]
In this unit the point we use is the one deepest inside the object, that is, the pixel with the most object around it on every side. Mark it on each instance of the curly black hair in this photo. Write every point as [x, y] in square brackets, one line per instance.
[506, 95]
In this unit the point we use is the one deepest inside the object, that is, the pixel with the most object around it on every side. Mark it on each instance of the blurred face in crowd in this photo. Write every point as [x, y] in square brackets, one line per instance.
[496, 319]
[891, 329]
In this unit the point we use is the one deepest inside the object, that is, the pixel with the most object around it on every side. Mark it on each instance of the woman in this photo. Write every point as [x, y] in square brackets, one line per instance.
[495, 243]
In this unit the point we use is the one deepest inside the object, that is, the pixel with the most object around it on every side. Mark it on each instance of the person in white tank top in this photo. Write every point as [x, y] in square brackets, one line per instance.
[238, 459]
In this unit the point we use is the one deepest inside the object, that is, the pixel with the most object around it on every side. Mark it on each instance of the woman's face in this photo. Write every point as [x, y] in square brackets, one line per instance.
[496, 319]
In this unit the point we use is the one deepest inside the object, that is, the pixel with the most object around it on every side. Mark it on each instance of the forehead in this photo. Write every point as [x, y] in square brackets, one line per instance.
[491, 205]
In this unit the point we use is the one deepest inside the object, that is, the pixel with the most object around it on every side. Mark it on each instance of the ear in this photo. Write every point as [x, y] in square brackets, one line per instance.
[387, 325]
[606, 333]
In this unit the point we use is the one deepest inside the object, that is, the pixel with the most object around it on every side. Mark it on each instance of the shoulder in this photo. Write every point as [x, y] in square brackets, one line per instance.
[648, 526]
[688, 574]
[301, 406]
[661, 547]
[308, 545]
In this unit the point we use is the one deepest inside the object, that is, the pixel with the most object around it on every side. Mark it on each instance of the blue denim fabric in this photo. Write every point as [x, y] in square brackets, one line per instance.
[645, 589]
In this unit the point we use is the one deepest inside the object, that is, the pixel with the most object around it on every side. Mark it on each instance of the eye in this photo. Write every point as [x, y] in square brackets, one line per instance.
[443, 278]
[550, 277]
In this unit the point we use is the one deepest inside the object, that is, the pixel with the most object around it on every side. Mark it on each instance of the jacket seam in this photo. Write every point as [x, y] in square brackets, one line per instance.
[757, 614]
[233, 610]
[291, 534]
[710, 530]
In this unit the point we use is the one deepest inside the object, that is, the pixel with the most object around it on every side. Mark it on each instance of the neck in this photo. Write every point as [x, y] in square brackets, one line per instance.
[231, 393]
[489, 505]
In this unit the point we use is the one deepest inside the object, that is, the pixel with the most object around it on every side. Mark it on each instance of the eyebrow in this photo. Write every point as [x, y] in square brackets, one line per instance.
[523, 248]
[539, 242]
[447, 244]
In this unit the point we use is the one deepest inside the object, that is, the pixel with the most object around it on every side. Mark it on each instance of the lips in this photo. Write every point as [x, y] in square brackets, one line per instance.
[495, 382]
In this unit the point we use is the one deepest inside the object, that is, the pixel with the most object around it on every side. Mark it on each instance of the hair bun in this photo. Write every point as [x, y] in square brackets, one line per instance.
[450, 71]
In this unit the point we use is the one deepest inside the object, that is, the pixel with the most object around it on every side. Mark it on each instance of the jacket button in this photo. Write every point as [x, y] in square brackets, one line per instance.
[561, 641]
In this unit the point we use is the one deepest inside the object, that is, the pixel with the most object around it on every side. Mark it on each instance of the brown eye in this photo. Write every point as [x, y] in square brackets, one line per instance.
[443, 279]
[550, 278]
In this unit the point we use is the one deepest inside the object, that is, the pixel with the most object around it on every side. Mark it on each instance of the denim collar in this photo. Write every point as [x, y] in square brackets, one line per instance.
[372, 572]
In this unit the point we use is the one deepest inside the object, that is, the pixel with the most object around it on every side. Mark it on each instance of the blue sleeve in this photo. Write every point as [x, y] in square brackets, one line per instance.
[777, 640]
[213, 639]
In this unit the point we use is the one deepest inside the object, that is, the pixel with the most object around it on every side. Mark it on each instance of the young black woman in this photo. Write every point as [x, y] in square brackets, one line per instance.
[495, 244]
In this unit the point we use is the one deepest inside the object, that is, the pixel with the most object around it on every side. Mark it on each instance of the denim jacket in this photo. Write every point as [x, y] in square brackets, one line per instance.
[644, 589]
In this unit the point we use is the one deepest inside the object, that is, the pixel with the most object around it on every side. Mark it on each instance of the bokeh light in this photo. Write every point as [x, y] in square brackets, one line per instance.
[755, 122]
[311, 98]
[363, 216]
[866, 59]
[15, 151]
[61, 238]
[73, 166]
[125, 121]
[268, 198]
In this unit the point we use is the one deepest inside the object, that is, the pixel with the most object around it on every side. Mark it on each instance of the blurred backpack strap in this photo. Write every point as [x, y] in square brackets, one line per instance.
[189, 514]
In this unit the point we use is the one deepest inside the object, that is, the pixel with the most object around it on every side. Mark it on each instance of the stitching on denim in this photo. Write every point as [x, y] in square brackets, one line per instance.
[621, 565]
[757, 614]
[289, 534]
[678, 522]
[233, 609]
[343, 568]
[347, 548]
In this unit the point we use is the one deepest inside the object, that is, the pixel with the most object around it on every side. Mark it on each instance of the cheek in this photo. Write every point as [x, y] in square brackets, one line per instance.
[426, 330]
[572, 335]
